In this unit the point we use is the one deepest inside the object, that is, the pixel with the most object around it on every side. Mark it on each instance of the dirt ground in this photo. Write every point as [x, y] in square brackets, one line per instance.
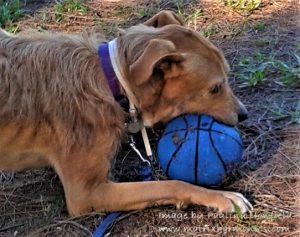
[32, 202]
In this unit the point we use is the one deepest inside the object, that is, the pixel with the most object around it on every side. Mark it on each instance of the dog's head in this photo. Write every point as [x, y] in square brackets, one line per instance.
[174, 70]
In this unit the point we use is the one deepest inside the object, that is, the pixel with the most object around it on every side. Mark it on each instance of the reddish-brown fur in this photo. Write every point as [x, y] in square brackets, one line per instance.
[56, 108]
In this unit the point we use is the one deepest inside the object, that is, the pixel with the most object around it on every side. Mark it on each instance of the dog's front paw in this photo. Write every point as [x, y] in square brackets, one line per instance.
[233, 201]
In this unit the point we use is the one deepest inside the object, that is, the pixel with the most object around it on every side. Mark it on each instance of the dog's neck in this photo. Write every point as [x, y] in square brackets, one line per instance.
[108, 53]
[109, 72]
[113, 71]
[118, 68]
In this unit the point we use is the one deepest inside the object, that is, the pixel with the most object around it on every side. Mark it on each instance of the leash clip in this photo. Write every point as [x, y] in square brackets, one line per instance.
[132, 144]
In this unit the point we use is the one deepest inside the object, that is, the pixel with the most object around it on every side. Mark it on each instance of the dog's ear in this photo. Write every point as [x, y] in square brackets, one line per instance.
[160, 55]
[120, 32]
[164, 18]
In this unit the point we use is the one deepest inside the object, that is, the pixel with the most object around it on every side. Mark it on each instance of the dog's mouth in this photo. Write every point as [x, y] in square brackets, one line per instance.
[159, 126]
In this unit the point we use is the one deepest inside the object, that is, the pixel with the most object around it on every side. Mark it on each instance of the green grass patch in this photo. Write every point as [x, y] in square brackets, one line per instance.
[280, 112]
[290, 76]
[246, 5]
[252, 71]
[260, 26]
[298, 47]
[261, 42]
[144, 11]
[209, 31]
[10, 11]
[188, 11]
[69, 6]
[193, 16]
[238, 212]
[179, 6]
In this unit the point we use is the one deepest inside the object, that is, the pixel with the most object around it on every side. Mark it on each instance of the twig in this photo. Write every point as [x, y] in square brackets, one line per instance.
[76, 225]
[11, 226]
[293, 162]
[66, 222]
[275, 208]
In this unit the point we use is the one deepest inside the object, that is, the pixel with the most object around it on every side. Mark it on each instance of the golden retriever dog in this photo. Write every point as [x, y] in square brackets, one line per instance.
[57, 109]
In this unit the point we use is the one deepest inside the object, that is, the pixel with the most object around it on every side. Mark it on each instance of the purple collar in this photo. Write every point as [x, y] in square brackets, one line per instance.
[108, 70]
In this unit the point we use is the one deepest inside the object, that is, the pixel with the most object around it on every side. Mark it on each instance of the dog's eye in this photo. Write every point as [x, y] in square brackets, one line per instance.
[216, 89]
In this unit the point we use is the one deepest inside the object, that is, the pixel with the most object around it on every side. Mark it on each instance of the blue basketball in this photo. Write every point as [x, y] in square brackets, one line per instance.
[199, 150]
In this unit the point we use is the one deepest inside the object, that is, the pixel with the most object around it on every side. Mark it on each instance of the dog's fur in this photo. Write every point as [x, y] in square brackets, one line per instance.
[56, 108]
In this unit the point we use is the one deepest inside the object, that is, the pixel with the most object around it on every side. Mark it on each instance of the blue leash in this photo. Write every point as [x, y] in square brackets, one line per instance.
[106, 223]
[146, 174]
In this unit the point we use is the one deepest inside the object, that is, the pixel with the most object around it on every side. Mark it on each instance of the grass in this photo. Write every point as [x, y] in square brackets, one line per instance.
[251, 74]
[290, 76]
[62, 8]
[144, 11]
[280, 112]
[192, 18]
[209, 31]
[247, 5]
[262, 42]
[179, 7]
[189, 13]
[254, 70]
[260, 26]
[9, 12]
[298, 47]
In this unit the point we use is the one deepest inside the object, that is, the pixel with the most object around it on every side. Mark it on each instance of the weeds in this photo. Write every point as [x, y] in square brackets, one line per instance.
[179, 7]
[150, 10]
[193, 17]
[247, 5]
[253, 71]
[290, 76]
[210, 30]
[298, 47]
[262, 42]
[280, 112]
[251, 74]
[238, 212]
[9, 12]
[260, 26]
[69, 6]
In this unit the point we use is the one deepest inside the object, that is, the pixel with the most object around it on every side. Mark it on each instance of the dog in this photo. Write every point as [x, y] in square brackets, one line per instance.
[57, 108]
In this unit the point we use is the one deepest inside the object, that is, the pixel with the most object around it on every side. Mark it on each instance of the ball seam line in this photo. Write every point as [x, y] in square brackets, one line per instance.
[214, 148]
[178, 148]
[196, 150]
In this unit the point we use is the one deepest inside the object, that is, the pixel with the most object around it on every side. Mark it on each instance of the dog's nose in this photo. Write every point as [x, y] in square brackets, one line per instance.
[242, 116]
[243, 112]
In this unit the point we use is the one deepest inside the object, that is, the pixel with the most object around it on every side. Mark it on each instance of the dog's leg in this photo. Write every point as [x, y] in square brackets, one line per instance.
[139, 195]
[86, 187]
